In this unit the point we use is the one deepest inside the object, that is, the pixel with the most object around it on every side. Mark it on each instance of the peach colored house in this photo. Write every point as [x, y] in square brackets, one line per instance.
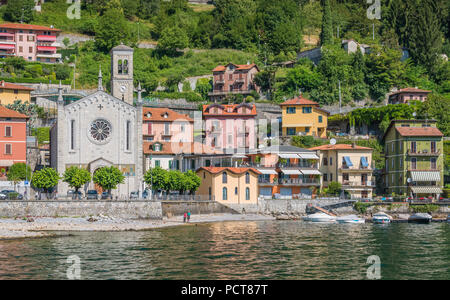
[229, 127]
[32, 42]
[13, 137]
[229, 185]
[233, 79]
[408, 94]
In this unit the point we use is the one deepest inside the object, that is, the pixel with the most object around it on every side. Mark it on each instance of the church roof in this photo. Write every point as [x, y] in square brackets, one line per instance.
[122, 47]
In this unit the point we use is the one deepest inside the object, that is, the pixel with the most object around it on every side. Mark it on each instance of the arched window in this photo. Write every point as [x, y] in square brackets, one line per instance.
[247, 178]
[247, 194]
[119, 67]
[125, 66]
[224, 194]
[224, 177]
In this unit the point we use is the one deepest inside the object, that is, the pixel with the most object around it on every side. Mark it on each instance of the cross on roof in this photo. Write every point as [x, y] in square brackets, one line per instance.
[100, 106]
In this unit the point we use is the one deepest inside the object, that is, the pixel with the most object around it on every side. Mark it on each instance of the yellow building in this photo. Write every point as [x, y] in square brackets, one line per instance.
[10, 92]
[229, 185]
[301, 116]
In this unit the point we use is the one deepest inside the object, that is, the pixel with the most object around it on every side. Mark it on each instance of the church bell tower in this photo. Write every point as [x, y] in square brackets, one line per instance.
[122, 73]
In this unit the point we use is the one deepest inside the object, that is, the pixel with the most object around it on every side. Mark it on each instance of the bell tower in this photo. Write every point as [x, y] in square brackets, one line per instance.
[122, 73]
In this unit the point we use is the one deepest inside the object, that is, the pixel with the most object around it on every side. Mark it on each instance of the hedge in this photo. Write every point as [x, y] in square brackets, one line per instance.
[34, 80]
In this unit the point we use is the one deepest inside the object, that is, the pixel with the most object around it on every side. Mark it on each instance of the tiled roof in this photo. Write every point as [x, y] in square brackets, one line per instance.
[227, 107]
[299, 101]
[9, 113]
[157, 114]
[174, 148]
[215, 170]
[410, 90]
[12, 86]
[340, 147]
[419, 131]
[27, 27]
[238, 67]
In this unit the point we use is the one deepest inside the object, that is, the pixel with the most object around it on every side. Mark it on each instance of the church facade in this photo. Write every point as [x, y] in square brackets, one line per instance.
[102, 130]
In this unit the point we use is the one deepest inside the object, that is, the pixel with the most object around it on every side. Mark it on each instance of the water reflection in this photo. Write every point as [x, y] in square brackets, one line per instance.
[238, 250]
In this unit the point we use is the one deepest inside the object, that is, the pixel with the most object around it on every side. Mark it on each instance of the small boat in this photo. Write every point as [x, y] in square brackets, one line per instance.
[381, 218]
[320, 218]
[422, 218]
[350, 219]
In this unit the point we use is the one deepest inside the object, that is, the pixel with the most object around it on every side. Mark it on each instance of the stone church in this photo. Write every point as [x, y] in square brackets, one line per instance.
[102, 129]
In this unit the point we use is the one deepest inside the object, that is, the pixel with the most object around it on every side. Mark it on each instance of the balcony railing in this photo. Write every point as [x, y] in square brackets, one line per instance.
[48, 55]
[424, 152]
[368, 183]
[289, 181]
[360, 168]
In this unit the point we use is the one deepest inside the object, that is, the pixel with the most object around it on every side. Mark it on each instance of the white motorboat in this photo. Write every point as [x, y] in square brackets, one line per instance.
[320, 218]
[350, 219]
[421, 218]
[381, 218]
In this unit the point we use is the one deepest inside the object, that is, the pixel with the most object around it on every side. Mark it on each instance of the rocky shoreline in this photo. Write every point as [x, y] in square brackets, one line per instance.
[48, 227]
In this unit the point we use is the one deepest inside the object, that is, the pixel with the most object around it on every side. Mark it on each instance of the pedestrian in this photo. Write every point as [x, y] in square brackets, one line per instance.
[188, 216]
[184, 217]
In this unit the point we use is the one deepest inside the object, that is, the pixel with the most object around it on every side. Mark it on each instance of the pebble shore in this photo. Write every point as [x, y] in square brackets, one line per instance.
[45, 227]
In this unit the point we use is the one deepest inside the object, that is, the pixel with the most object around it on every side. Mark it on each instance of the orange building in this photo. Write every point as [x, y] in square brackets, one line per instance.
[13, 138]
[10, 92]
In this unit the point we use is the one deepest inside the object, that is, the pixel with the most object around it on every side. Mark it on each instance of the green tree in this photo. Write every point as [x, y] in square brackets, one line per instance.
[203, 87]
[19, 10]
[76, 177]
[437, 107]
[45, 179]
[108, 178]
[157, 178]
[112, 30]
[326, 35]
[334, 188]
[191, 181]
[172, 38]
[19, 172]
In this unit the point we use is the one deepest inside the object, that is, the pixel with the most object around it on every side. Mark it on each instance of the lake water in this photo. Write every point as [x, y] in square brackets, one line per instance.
[238, 250]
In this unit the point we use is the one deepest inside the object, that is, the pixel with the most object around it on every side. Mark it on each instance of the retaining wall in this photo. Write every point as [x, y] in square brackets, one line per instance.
[178, 208]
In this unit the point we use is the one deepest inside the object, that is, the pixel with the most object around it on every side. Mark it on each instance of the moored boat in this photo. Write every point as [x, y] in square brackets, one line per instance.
[320, 218]
[381, 218]
[350, 219]
[422, 218]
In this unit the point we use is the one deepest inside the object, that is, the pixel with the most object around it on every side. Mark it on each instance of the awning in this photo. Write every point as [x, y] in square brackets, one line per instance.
[291, 172]
[288, 155]
[426, 190]
[310, 172]
[46, 48]
[46, 38]
[267, 172]
[308, 156]
[6, 46]
[425, 176]
[364, 162]
[348, 162]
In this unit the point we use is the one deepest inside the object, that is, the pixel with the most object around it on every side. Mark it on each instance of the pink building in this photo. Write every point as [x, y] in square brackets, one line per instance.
[166, 125]
[408, 94]
[230, 127]
[32, 42]
[233, 79]
[13, 138]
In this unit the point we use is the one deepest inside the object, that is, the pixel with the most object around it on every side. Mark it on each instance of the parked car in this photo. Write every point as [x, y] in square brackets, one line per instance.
[92, 194]
[134, 195]
[10, 194]
[74, 194]
[105, 195]
[145, 194]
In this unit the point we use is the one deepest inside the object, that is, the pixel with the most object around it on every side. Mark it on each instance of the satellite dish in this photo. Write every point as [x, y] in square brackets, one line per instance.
[409, 180]
[333, 142]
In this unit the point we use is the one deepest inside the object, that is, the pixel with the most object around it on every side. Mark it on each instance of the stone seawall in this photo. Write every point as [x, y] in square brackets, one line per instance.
[178, 208]
[119, 209]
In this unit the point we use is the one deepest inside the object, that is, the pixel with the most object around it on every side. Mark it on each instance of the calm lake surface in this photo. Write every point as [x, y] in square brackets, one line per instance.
[238, 250]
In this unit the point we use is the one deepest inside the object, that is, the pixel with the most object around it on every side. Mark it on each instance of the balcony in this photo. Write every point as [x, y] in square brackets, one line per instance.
[353, 184]
[167, 134]
[425, 152]
[46, 38]
[240, 80]
[49, 55]
[219, 82]
[355, 169]
[299, 181]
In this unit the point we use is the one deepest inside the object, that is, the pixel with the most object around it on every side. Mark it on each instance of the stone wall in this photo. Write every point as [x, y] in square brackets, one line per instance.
[118, 209]
[178, 208]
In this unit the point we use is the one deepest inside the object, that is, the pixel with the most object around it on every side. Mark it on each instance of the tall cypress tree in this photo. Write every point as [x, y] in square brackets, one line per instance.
[326, 36]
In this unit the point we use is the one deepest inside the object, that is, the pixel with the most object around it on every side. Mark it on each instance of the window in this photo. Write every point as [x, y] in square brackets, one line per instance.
[30, 38]
[413, 147]
[307, 110]
[119, 67]
[247, 178]
[325, 177]
[224, 177]
[209, 193]
[230, 77]
[345, 176]
[325, 161]
[224, 194]
[157, 163]
[182, 128]
[291, 131]
[30, 49]
[320, 119]
[306, 129]
[20, 38]
[331, 176]
[125, 66]
[247, 194]
[331, 161]
[290, 110]
[433, 163]
[433, 147]
[16, 92]
[128, 133]
[72, 134]
[392, 147]
[208, 163]
[166, 128]
[8, 149]
[235, 190]
[8, 131]
[20, 49]
[413, 163]
[393, 163]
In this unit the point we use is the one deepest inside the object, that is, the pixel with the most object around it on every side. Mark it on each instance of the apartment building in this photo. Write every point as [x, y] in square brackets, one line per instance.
[414, 158]
[350, 165]
[301, 116]
[32, 42]
[408, 94]
[10, 92]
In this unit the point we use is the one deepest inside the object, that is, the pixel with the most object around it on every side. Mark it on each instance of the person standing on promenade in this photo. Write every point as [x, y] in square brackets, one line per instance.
[184, 217]
[188, 216]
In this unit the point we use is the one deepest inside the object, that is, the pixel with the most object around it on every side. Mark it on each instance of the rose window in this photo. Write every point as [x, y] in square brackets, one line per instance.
[100, 130]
